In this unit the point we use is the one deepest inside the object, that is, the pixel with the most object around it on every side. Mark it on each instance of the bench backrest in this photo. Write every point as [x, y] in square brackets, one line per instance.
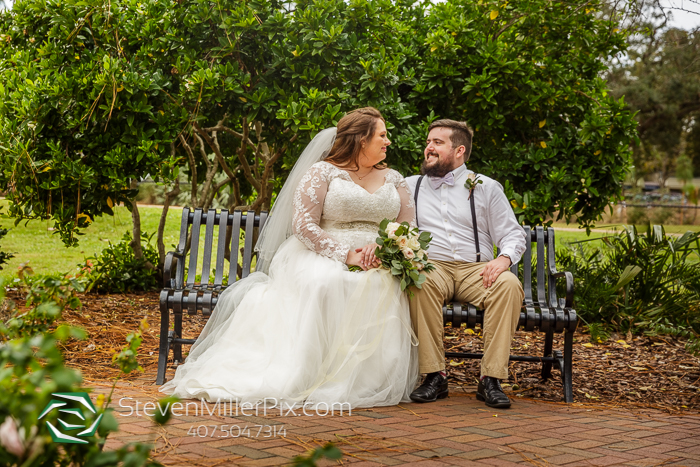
[539, 250]
[198, 223]
[543, 292]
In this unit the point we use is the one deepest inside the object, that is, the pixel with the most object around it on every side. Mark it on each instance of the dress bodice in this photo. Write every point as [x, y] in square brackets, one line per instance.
[333, 214]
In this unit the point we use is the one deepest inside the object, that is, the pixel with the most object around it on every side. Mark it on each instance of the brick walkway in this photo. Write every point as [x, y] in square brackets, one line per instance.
[455, 431]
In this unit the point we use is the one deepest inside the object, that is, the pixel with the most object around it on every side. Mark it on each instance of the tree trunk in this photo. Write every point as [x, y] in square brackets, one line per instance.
[169, 197]
[136, 231]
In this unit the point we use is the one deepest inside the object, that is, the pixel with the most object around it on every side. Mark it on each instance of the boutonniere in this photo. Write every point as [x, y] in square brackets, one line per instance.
[472, 182]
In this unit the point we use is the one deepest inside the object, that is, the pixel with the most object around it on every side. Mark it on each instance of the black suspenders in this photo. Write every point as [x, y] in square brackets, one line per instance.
[473, 209]
[415, 197]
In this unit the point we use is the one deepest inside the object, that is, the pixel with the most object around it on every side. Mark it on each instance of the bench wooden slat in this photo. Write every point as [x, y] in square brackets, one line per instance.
[541, 293]
[184, 226]
[248, 245]
[194, 246]
[551, 267]
[208, 242]
[221, 249]
[527, 268]
[235, 237]
[263, 218]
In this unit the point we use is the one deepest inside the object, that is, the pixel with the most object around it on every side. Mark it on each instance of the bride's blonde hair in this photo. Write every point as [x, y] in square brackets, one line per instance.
[355, 128]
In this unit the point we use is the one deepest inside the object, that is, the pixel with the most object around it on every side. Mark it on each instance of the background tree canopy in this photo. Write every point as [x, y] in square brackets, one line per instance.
[95, 94]
[659, 79]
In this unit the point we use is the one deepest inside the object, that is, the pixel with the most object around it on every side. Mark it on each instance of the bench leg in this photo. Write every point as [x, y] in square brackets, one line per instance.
[547, 367]
[164, 349]
[567, 374]
[177, 348]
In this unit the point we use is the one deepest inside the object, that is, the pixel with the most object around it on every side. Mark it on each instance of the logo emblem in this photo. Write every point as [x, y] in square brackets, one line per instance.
[72, 405]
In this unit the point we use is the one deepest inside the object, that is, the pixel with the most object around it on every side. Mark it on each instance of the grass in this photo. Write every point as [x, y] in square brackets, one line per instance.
[35, 241]
[674, 229]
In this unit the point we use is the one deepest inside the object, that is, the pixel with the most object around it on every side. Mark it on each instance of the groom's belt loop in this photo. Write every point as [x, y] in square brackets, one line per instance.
[473, 209]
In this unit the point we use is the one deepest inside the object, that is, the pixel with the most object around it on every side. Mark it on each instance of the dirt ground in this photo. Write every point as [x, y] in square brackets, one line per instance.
[642, 372]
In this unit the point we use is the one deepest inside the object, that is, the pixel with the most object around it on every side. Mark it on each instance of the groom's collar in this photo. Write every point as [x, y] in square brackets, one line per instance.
[459, 171]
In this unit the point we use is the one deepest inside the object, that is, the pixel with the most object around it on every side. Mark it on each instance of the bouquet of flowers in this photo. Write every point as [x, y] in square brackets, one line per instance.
[402, 251]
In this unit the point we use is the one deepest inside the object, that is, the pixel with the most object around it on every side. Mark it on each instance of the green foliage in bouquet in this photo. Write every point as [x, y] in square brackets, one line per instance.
[402, 251]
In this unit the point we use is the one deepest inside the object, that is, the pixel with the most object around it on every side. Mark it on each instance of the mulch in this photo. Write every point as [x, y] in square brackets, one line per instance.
[623, 372]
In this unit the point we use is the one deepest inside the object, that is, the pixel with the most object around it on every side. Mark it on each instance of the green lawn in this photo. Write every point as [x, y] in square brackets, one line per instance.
[36, 243]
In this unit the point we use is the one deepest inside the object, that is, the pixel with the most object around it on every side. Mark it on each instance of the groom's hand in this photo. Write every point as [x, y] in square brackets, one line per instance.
[493, 269]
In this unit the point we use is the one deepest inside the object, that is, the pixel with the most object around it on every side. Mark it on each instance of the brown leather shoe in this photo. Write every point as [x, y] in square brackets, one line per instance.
[434, 387]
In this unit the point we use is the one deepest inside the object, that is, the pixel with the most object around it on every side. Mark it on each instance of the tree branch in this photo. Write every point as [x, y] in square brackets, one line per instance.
[193, 170]
[169, 197]
[202, 151]
[215, 147]
[244, 162]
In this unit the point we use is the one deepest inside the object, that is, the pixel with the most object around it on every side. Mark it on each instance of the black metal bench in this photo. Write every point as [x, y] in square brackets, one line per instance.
[545, 312]
[183, 294]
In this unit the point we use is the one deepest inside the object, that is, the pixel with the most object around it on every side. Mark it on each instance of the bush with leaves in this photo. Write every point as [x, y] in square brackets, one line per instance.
[32, 370]
[312, 458]
[94, 95]
[46, 297]
[4, 255]
[117, 269]
[638, 283]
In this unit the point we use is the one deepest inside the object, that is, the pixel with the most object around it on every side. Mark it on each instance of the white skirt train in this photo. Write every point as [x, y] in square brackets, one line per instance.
[309, 333]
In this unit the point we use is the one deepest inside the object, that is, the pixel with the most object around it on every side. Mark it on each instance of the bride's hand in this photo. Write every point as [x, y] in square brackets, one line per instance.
[355, 259]
[369, 260]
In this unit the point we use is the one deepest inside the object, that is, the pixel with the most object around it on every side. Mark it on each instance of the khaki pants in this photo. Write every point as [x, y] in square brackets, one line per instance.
[462, 282]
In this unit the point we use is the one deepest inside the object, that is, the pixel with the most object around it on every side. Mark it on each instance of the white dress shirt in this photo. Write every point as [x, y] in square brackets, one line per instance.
[446, 214]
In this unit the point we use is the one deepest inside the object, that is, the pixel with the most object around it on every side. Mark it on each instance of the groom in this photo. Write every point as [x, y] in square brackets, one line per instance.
[465, 268]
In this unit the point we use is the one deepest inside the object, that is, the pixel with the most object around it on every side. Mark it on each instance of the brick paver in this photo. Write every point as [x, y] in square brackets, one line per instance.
[455, 431]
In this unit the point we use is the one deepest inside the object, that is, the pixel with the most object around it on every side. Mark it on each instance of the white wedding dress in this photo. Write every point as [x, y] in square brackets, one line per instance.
[310, 331]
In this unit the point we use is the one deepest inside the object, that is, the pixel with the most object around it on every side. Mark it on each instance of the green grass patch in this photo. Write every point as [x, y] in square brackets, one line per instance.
[35, 241]
[674, 229]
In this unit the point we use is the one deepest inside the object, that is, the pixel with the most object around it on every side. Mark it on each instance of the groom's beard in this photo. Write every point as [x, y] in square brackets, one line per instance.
[439, 169]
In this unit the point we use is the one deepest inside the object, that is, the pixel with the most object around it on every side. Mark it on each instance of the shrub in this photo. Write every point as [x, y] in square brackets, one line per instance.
[32, 373]
[117, 269]
[639, 283]
[637, 216]
[46, 298]
[662, 215]
[4, 256]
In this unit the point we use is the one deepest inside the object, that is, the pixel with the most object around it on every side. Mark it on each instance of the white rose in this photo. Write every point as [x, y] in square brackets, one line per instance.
[10, 438]
[414, 244]
[391, 229]
[419, 266]
[421, 254]
[402, 242]
[408, 253]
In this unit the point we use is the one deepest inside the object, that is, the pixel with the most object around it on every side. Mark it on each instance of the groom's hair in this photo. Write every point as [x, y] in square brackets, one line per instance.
[461, 134]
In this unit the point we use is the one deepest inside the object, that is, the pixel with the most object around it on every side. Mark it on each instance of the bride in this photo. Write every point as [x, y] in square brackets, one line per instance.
[303, 329]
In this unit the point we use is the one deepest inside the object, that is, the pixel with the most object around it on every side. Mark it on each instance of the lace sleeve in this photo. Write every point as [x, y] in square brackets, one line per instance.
[308, 207]
[408, 209]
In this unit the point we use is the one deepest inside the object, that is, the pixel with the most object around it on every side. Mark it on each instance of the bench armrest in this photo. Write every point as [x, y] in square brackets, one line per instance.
[170, 279]
[569, 301]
